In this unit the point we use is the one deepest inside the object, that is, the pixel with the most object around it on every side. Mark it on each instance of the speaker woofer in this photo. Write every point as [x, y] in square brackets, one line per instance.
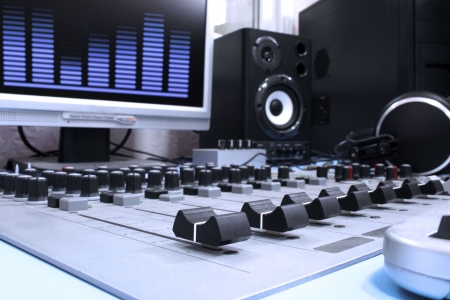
[279, 107]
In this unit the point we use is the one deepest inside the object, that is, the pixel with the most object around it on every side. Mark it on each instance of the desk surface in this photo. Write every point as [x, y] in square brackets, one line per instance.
[23, 276]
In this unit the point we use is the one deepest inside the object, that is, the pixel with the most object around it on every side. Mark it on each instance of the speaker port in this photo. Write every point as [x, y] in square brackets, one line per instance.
[301, 49]
[302, 71]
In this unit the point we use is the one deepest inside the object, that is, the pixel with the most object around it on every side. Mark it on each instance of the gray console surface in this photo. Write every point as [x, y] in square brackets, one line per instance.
[132, 252]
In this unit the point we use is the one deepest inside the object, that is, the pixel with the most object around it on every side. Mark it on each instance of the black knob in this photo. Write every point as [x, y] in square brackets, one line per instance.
[125, 171]
[338, 172]
[197, 171]
[346, 173]
[2, 181]
[210, 165]
[73, 184]
[102, 179]
[68, 170]
[158, 168]
[172, 169]
[217, 175]
[268, 171]
[89, 186]
[230, 144]
[260, 174]
[364, 172]
[10, 184]
[59, 182]
[88, 172]
[38, 189]
[205, 178]
[379, 170]
[141, 172]
[133, 183]
[356, 168]
[225, 170]
[22, 186]
[30, 171]
[405, 171]
[154, 179]
[187, 164]
[116, 181]
[239, 144]
[234, 176]
[283, 172]
[322, 172]
[391, 173]
[172, 181]
[235, 166]
[133, 167]
[244, 173]
[103, 168]
[48, 174]
[248, 144]
[251, 171]
[187, 176]
[222, 144]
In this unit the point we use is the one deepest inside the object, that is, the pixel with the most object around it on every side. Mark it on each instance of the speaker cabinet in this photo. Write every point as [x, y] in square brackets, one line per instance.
[262, 92]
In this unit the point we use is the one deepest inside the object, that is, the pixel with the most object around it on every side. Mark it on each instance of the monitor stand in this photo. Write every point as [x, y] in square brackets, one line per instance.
[81, 148]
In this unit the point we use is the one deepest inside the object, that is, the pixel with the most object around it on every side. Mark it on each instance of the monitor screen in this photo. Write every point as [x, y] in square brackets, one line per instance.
[106, 63]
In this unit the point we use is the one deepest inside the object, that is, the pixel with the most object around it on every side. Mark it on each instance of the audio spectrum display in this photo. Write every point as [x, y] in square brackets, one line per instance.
[106, 50]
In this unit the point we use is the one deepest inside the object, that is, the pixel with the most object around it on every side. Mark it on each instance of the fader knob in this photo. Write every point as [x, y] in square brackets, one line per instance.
[356, 167]
[405, 171]
[73, 184]
[322, 172]
[48, 174]
[364, 172]
[154, 179]
[260, 174]
[171, 181]
[10, 185]
[89, 186]
[68, 170]
[22, 186]
[234, 176]
[187, 176]
[102, 179]
[197, 171]
[30, 171]
[391, 173]
[133, 183]
[205, 178]
[380, 170]
[244, 172]
[217, 175]
[37, 189]
[59, 182]
[116, 180]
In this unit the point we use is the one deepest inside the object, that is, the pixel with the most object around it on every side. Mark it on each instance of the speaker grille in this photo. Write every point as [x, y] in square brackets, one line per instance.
[25, 116]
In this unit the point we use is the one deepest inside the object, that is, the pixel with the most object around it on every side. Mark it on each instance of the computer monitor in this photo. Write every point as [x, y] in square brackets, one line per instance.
[106, 64]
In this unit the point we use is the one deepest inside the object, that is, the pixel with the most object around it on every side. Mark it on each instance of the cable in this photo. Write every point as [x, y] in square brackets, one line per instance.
[29, 146]
[256, 155]
[146, 153]
[124, 140]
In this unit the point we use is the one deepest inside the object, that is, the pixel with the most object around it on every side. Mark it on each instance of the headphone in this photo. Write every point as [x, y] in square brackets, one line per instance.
[412, 129]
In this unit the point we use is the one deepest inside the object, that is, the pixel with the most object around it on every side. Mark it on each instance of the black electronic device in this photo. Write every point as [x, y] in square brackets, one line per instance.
[410, 128]
[368, 52]
[261, 92]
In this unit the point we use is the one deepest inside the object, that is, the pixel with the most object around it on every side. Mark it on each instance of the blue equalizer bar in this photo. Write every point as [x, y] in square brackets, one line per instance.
[152, 60]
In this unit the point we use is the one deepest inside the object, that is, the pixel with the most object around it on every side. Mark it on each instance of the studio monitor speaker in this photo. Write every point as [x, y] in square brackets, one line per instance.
[262, 92]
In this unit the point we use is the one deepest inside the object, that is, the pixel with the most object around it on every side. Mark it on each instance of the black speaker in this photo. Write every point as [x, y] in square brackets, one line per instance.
[262, 92]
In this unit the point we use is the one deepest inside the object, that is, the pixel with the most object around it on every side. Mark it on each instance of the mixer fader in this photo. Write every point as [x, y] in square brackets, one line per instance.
[239, 231]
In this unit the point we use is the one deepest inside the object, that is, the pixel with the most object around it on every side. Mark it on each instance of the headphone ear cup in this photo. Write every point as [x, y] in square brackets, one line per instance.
[420, 121]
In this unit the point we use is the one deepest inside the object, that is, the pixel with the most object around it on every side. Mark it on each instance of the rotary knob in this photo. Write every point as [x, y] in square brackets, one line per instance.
[2, 182]
[73, 184]
[205, 178]
[217, 175]
[405, 171]
[197, 171]
[260, 174]
[356, 168]
[171, 181]
[30, 171]
[88, 172]
[68, 170]
[268, 171]
[346, 173]
[251, 171]
[89, 186]
[234, 176]
[22, 186]
[37, 189]
[244, 173]
[141, 172]
[102, 179]
[380, 170]
[187, 176]
[125, 171]
[322, 172]
[59, 182]
[133, 183]
[391, 173]
[154, 179]
[338, 173]
[364, 172]
[283, 172]
[225, 170]
[116, 181]
[48, 174]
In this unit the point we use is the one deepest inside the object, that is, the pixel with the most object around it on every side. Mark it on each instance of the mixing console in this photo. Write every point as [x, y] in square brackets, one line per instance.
[190, 234]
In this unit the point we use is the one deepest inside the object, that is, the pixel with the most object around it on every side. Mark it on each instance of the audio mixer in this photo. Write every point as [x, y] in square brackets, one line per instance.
[251, 234]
